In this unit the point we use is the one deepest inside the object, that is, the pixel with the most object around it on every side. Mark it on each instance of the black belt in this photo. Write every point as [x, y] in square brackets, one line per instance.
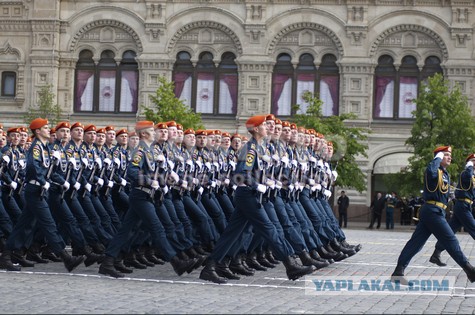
[145, 189]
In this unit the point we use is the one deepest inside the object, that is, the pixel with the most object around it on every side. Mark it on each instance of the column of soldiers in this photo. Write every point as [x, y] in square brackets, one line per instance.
[126, 201]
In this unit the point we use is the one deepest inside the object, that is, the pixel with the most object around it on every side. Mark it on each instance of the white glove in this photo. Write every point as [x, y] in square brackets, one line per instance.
[196, 181]
[189, 163]
[180, 158]
[208, 166]
[200, 190]
[213, 184]
[297, 186]
[314, 188]
[276, 158]
[278, 184]
[318, 187]
[98, 161]
[154, 184]
[335, 175]
[184, 184]
[216, 164]
[56, 155]
[232, 164]
[266, 158]
[161, 158]
[312, 159]
[304, 166]
[261, 188]
[66, 185]
[77, 186]
[226, 182]
[234, 187]
[6, 159]
[13, 185]
[22, 163]
[294, 163]
[200, 164]
[320, 163]
[171, 164]
[218, 183]
[270, 183]
[87, 187]
[329, 172]
[469, 163]
[175, 176]
[46, 186]
[123, 182]
[439, 155]
[85, 161]
[117, 162]
[100, 182]
[311, 182]
[107, 162]
[291, 187]
[285, 160]
[73, 162]
[327, 193]
[110, 184]
[165, 190]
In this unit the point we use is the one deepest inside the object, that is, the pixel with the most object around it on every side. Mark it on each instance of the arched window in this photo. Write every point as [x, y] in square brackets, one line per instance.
[106, 86]
[395, 90]
[8, 84]
[290, 85]
[207, 88]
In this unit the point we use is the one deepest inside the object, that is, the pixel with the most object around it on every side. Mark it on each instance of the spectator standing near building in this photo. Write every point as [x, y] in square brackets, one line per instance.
[343, 204]
[377, 206]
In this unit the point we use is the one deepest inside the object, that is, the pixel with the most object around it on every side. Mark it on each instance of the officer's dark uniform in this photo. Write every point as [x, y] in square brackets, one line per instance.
[432, 219]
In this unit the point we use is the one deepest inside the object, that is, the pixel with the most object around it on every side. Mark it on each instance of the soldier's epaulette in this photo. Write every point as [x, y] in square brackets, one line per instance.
[253, 146]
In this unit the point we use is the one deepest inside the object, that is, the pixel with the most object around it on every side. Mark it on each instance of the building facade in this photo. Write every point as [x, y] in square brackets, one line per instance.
[232, 59]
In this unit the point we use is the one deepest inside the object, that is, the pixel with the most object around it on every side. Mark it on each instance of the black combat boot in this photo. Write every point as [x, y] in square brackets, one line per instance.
[339, 255]
[237, 267]
[270, 257]
[6, 261]
[435, 258]
[3, 242]
[70, 262]
[337, 247]
[209, 273]
[261, 259]
[200, 259]
[150, 255]
[140, 255]
[131, 261]
[119, 266]
[251, 261]
[107, 268]
[314, 254]
[222, 269]
[17, 258]
[91, 257]
[356, 247]
[182, 265]
[200, 250]
[398, 275]
[330, 255]
[98, 248]
[295, 271]
[309, 261]
[33, 254]
[470, 271]
[47, 253]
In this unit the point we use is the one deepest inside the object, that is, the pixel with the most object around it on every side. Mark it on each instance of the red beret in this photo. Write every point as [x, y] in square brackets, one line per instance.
[13, 130]
[471, 156]
[122, 131]
[77, 125]
[236, 135]
[210, 132]
[285, 124]
[179, 126]
[226, 135]
[218, 132]
[293, 126]
[270, 117]
[133, 134]
[52, 130]
[244, 138]
[329, 144]
[161, 125]
[109, 128]
[201, 132]
[89, 128]
[63, 124]
[23, 129]
[444, 148]
[101, 130]
[1, 126]
[301, 129]
[140, 125]
[171, 123]
[38, 123]
[278, 121]
[29, 139]
[189, 131]
[255, 121]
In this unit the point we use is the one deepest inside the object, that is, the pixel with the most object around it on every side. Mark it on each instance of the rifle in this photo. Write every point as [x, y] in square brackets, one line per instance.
[111, 177]
[78, 178]
[68, 174]
[155, 177]
[90, 179]
[48, 175]
[101, 175]
[15, 179]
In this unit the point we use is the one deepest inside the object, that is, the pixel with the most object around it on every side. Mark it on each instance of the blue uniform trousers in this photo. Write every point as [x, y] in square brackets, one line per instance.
[432, 221]
[90, 211]
[109, 207]
[11, 206]
[214, 210]
[82, 219]
[6, 224]
[198, 218]
[36, 211]
[249, 212]
[142, 212]
[173, 214]
[315, 215]
[462, 216]
[308, 233]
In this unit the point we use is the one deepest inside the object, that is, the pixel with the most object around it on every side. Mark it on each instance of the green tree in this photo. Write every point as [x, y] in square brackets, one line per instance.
[166, 107]
[349, 142]
[45, 107]
[442, 117]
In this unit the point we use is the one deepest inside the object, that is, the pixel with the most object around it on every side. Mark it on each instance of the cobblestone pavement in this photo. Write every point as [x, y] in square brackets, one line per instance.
[48, 288]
